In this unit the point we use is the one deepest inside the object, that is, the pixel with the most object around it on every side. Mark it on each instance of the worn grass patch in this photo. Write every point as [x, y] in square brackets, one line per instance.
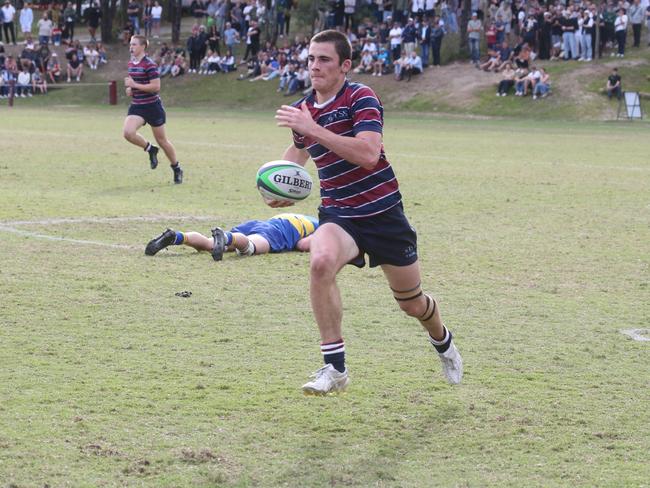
[533, 235]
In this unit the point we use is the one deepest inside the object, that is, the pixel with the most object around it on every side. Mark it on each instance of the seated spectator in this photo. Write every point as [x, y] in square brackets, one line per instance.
[253, 67]
[543, 85]
[613, 86]
[505, 54]
[103, 57]
[507, 82]
[382, 62]
[179, 67]
[399, 64]
[288, 73]
[522, 56]
[4, 87]
[227, 63]
[203, 66]
[531, 80]
[213, 63]
[493, 62]
[53, 68]
[166, 64]
[299, 82]
[24, 84]
[366, 63]
[520, 79]
[11, 65]
[413, 65]
[75, 68]
[39, 82]
[91, 56]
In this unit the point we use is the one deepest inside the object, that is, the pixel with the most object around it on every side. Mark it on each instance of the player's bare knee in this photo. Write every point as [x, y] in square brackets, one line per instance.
[412, 301]
[128, 134]
[322, 266]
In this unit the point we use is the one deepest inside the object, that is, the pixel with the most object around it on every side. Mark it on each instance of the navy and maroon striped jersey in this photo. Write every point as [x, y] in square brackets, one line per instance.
[348, 190]
[143, 72]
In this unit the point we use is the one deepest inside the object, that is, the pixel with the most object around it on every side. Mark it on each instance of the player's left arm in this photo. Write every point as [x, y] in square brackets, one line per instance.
[303, 244]
[152, 87]
[363, 149]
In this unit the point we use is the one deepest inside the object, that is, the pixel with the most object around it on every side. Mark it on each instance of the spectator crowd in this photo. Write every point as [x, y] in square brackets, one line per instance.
[37, 63]
[389, 37]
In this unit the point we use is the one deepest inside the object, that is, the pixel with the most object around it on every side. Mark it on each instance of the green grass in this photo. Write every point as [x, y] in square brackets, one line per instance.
[533, 236]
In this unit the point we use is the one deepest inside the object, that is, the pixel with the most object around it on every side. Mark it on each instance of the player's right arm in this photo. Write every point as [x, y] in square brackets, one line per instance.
[296, 155]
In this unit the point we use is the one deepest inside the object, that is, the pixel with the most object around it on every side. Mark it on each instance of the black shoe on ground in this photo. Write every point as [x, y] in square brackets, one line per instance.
[219, 245]
[165, 239]
[153, 156]
[178, 176]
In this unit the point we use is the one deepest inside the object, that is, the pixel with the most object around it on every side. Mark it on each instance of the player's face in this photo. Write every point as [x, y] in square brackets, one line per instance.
[325, 71]
[135, 48]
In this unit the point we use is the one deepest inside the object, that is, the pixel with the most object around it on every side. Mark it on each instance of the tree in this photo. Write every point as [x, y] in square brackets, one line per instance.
[108, 8]
[464, 19]
[176, 15]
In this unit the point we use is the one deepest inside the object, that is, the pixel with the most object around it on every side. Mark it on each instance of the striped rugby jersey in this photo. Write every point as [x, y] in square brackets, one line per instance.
[348, 190]
[143, 72]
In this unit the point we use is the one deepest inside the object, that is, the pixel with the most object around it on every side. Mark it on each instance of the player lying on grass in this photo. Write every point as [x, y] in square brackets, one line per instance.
[283, 232]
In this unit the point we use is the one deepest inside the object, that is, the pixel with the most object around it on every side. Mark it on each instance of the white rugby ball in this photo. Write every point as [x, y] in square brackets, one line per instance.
[283, 180]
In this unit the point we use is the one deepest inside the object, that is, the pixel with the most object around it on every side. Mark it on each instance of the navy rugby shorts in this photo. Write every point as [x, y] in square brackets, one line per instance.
[387, 238]
[152, 113]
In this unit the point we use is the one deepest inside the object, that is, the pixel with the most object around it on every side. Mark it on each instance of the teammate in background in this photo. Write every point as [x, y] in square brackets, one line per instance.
[143, 86]
[339, 125]
[283, 232]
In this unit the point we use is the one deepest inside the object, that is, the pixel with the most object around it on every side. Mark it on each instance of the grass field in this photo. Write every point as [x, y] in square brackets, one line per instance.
[533, 235]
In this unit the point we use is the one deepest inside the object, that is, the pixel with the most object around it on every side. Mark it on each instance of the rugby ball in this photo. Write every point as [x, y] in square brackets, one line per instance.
[283, 180]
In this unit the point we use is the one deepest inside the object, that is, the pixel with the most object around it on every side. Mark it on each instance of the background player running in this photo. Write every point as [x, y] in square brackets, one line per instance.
[143, 86]
[283, 232]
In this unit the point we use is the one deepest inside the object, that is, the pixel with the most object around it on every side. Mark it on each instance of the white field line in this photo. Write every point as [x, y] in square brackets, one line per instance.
[637, 334]
[10, 227]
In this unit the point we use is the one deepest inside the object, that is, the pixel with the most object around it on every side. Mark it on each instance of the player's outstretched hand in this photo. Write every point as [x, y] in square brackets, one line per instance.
[277, 203]
[128, 82]
[129, 92]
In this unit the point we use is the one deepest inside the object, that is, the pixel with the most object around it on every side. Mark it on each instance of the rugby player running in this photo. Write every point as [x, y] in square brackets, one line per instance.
[143, 86]
[339, 125]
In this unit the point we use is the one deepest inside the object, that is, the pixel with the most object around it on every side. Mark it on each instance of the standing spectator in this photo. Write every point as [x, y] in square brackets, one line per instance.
[133, 12]
[587, 36]
[69, 15]
[252, 40]
[569, 26]
[8, 14]
[417, 10]
[474, 28]
[290, 5]
[409, 36]
[348, 13]
[156, 18]
[93, 14]
[231, 37]
[636, 19]
[26, 19]
[647, 22]
[214, 38]
[146, 18]
[197, 7]
[437, 34]
[44, 29]
[395, 35]
[613, 86]
[194, 50]
[425, 41]
[620, 29]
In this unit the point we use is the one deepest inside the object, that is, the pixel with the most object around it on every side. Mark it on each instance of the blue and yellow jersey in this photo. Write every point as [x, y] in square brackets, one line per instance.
[282, 231]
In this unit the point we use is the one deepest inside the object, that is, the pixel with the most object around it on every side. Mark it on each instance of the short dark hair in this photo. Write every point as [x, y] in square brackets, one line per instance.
[141, 40]
[341, 43]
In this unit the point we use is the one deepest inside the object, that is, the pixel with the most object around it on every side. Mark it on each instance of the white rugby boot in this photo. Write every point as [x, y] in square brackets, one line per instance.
[452, 364]
[327, 380]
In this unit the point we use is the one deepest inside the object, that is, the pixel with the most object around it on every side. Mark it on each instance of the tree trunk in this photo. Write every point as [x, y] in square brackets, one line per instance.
[176, 21]
[108, 8]
[464, 18]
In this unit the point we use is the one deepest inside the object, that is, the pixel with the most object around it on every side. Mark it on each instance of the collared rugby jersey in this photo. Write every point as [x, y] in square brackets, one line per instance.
[143, 72]
[346, 189]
